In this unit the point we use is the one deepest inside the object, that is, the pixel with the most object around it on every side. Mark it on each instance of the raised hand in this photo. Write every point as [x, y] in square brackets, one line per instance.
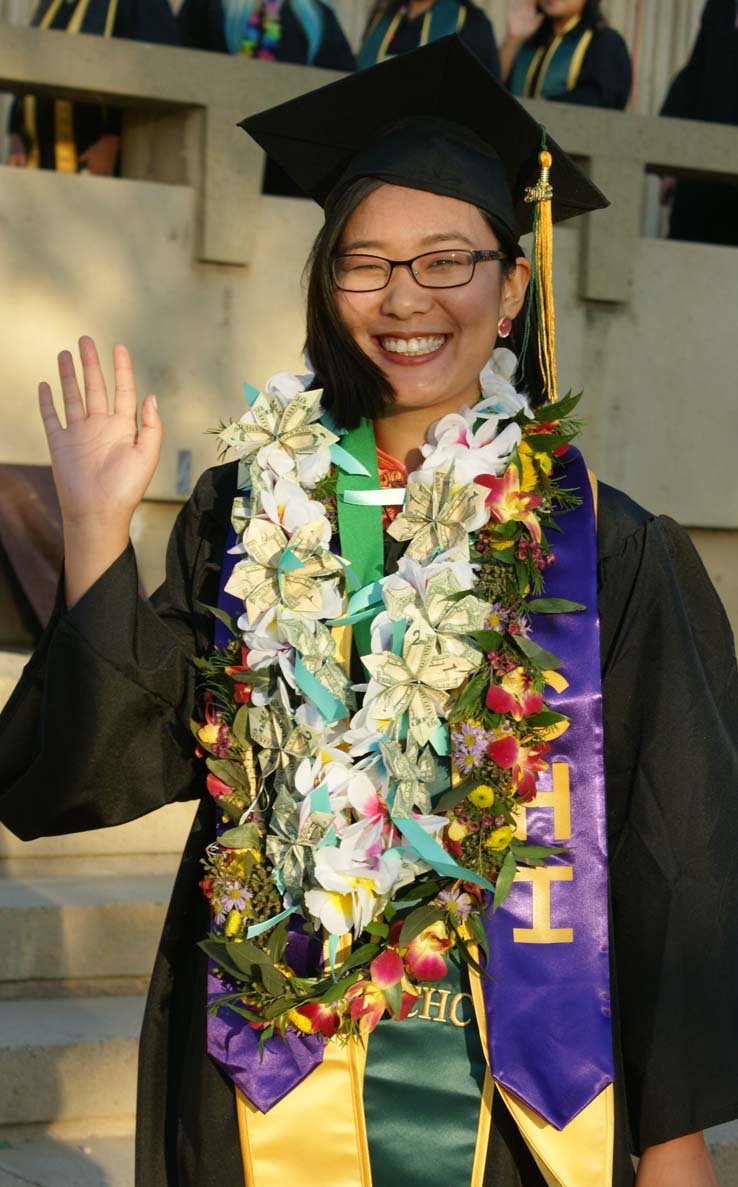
[102, 461]
[523, 19]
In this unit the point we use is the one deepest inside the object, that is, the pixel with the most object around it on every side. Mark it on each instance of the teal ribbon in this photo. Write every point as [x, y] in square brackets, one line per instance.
[251, 393]
[329, 707]
[288, 562]
[257, 928]
[360, 527]
[390, 497]
[439, 740]
[434, 854]
[346, 461]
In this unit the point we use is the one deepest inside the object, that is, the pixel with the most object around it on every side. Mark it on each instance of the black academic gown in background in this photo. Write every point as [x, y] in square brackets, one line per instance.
[707, 89]
[97, 733]
[202, 26]
[135, 20]
[606, 76]
[476, 33]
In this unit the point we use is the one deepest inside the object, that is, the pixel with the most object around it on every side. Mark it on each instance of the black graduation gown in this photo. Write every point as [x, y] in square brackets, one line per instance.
[476, 33]
[135, 20]
[605, 77]
[707, 89]
[97, 733]
[202, 26]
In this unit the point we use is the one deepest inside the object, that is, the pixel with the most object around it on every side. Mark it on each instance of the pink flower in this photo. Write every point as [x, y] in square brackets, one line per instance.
[217, 787]
[324, 1017]
[523, 761]
[370, 999]
[424, 957]
[514, 696]
[507, 502]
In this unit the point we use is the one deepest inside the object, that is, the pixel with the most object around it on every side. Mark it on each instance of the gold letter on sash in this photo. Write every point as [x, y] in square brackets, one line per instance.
[541, 932]
[559, 800]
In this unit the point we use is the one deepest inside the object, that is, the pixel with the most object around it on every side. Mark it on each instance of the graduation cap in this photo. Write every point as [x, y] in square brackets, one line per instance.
[437, 120]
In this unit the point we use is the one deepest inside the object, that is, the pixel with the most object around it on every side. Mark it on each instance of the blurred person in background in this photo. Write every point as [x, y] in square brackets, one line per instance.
[303, 32]
[396, 27]
[706, 89]
[49, 133]
[300, 32]
[565, 51]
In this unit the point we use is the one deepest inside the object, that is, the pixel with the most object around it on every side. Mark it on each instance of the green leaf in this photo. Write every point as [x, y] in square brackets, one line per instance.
[553, 606]
[230, 772]
[560, 409]
[278, 941]
[546, 442]
[417, 921]
[506, 555]
[216, 951]
[274, 981]
[377, 928]
[487, 640]
[523, 576]
[362, 955]
[245, 836]
[538, 656]
[472, 695]
[476, 927]
[240, 727]
[245, 955]
[454, 795]
[338, 989]
[226, 619]
[275, 1008]
[545, 718]
[505, 878]
[535, 855]
[393, 998]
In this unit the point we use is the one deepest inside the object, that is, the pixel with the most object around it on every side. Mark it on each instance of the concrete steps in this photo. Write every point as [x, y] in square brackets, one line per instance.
[71, 1060]
[83, 1162]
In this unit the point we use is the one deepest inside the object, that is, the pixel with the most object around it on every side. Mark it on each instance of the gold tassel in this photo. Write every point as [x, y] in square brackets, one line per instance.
[542, 279]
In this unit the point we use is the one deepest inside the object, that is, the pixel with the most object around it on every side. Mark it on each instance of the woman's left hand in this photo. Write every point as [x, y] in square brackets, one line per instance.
[684, 1162]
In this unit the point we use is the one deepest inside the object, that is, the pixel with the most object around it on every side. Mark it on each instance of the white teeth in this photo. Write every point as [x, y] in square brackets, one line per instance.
[412, 345]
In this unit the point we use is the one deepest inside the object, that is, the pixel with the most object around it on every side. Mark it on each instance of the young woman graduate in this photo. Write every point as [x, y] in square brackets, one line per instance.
[565, 51]
[51, 133]
[423, 966]
[396, 27]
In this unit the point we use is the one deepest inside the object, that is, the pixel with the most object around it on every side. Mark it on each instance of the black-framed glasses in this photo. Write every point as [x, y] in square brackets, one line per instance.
[433, 269]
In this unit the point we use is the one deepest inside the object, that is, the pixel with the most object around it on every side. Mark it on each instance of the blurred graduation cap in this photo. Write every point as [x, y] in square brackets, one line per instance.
[437, 120]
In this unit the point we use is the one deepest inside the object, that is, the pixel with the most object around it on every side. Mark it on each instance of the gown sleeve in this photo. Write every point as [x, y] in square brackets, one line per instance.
[670, 695]
[479, 35]
[97, 731]
[606, 74]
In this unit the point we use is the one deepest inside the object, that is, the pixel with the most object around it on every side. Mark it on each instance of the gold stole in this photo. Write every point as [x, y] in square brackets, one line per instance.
[575, 68]
[65, 148]
[327, 1107]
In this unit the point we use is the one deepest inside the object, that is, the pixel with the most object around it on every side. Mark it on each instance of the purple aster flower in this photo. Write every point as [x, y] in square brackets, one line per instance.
[456, 902]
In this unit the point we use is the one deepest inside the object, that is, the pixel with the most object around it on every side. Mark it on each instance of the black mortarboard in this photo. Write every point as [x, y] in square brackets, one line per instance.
[435, 120]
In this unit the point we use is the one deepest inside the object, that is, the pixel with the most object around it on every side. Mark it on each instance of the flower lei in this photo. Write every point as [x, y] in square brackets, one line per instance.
[264, 31]
[376, 815]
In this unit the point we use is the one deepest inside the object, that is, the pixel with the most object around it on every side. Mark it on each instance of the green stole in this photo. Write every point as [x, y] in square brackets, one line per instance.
[542, 71]
[444, 18]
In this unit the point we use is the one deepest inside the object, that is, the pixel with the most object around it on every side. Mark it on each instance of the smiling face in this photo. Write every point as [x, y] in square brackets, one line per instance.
[562, 10]
[430, 343]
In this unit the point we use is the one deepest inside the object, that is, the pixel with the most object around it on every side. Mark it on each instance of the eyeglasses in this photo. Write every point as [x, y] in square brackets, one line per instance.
[432, 270]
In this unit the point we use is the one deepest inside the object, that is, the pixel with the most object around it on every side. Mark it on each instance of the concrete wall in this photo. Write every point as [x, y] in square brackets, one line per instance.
[201, 275]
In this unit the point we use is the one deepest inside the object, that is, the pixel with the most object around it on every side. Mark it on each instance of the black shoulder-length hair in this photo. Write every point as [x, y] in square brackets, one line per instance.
[592, 17]
[354, 386]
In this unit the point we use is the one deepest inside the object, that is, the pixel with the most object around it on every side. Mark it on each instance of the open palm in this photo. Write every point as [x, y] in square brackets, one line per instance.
[102, 461]
[523, 19]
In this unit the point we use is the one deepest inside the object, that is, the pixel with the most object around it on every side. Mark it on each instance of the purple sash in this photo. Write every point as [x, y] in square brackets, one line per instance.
[548, 1007]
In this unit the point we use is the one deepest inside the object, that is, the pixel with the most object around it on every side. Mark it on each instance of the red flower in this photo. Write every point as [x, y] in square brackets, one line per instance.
[508, 503]
[243, 666]
[514, 695]
[217, 787]
[241, 692]
[523, 761]
[424, 959]
[323, 1017]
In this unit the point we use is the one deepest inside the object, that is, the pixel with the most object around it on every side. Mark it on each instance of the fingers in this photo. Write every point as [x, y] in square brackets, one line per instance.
[125, 384]
[52, 424]
[74, 409]
[96, 394]
[150, 433]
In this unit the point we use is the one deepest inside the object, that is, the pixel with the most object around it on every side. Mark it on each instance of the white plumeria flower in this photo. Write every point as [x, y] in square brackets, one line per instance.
[498, 393]
[267, 645]
[454, 439]
[287, 504]
[355, 887]
[286, 386]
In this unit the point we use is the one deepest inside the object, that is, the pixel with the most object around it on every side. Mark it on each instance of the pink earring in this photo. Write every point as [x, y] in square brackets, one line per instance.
[504, 327]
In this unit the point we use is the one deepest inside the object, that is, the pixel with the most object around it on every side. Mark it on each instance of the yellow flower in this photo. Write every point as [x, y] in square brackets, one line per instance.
[500, 838]
[301, 1022]
[457, 831]
[233, 923]
[482, 796]
[208, 734]
[543, 463]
